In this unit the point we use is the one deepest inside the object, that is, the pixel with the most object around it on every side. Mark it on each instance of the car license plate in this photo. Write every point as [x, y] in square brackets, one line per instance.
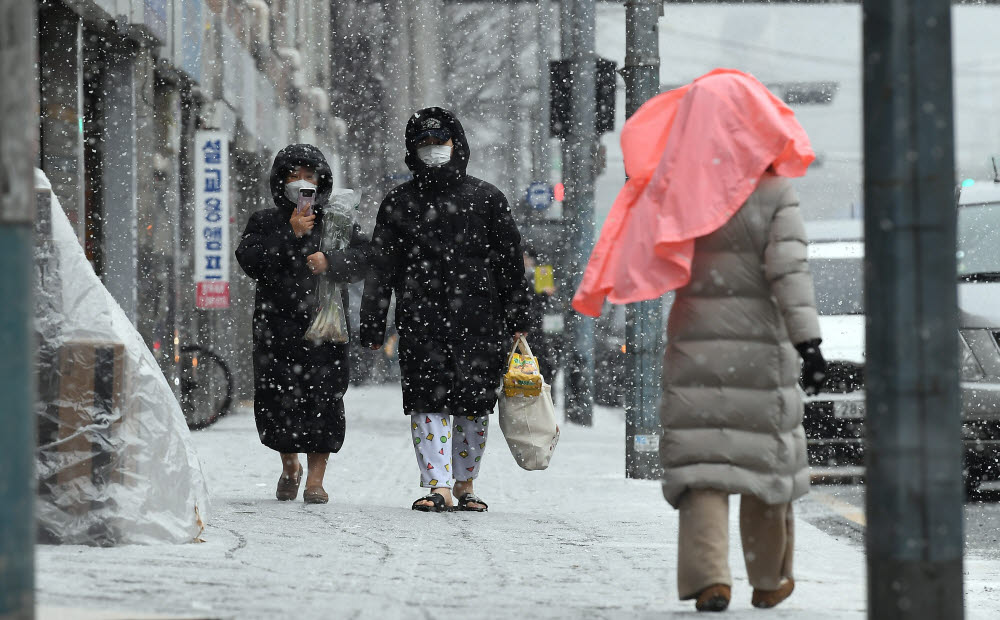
[849, 409]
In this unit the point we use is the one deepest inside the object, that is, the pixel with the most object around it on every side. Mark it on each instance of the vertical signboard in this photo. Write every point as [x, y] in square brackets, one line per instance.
[211, 219]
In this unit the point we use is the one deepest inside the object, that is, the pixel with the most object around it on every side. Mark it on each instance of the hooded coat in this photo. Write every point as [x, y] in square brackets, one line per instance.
[298, 385]
[731, 411]
[445, 243]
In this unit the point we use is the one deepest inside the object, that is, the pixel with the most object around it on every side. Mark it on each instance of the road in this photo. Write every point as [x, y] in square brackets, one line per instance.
[982, 515]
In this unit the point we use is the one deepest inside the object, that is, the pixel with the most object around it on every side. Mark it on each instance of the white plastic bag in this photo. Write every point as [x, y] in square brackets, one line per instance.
[330, 323]
[529, 426]
[115, 461]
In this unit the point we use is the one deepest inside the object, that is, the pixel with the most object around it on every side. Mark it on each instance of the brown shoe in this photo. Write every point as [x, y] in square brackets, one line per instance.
[713, 598]
[288, 486]
[315, 495]
[765, 599]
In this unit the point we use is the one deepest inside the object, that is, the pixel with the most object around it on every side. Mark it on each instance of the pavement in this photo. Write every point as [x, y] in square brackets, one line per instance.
[578, 540]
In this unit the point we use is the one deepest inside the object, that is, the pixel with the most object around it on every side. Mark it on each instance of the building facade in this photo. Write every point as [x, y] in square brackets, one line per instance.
[126, 87]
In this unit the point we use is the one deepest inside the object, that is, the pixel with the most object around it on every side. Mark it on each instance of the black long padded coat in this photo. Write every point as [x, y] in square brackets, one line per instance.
[445, 243]
[298, 386]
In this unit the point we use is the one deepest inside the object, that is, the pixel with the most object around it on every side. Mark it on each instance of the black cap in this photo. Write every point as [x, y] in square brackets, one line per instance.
[431, 127]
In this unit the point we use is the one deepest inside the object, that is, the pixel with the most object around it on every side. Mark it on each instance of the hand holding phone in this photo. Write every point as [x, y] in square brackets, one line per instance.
[303, 219]
[307, 197]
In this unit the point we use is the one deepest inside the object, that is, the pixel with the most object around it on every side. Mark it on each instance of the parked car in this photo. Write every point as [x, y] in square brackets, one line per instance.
[979, 341]
[834, 420]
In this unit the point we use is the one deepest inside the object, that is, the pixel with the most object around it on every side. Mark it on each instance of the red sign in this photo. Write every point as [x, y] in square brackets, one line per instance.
[213, 295]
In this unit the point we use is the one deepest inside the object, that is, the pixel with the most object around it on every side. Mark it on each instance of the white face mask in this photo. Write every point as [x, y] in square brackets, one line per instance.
[292, 189]
[435, 154]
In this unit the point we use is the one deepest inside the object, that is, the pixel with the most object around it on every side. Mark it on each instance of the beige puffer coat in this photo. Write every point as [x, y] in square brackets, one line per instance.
[731, 408]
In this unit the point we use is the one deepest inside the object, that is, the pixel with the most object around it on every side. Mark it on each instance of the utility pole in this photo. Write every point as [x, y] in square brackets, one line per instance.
[522, 120]
[397, 67]
[643, 320]
[567, 50]
[577, 26]
[505, 156]
[427, 76]
[914, 494]
[18, 153]
[540, 157]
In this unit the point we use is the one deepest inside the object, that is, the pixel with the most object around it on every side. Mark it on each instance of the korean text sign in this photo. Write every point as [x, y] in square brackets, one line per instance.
[211, 219]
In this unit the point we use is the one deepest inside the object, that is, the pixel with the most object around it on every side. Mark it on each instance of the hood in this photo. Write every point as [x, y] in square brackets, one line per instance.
[300, 155]
[440, 177]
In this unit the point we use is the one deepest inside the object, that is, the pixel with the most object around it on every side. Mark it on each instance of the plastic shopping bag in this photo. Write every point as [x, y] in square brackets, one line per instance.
[528, 422]
[330, 323]
[522, 377]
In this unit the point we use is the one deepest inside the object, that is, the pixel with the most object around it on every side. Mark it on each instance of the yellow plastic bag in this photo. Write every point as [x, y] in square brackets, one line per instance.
[522, 377]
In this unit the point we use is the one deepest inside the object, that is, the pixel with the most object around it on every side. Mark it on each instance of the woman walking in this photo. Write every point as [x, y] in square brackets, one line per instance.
[298, 384]
[707, 212]
[446, 245]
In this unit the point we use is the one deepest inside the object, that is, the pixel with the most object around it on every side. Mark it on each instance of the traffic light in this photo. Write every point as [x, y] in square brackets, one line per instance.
[560, 86]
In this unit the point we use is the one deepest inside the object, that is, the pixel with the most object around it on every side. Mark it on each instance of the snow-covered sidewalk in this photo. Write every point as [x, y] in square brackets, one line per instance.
[575, 541]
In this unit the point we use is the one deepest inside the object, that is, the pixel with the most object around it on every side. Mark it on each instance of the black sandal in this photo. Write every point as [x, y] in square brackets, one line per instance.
[435, 498]
[470, 498]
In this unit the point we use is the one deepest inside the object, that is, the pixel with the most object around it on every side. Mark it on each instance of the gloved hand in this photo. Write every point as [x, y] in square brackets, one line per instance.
[813, 366]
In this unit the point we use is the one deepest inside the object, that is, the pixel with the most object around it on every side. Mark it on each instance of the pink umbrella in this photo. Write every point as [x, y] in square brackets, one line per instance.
[693, 156]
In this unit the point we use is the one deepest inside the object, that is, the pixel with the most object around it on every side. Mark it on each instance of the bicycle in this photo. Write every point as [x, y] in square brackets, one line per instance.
[206, 386]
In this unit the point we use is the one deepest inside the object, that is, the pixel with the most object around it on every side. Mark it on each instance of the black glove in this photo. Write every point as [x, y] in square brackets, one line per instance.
[813, 366]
